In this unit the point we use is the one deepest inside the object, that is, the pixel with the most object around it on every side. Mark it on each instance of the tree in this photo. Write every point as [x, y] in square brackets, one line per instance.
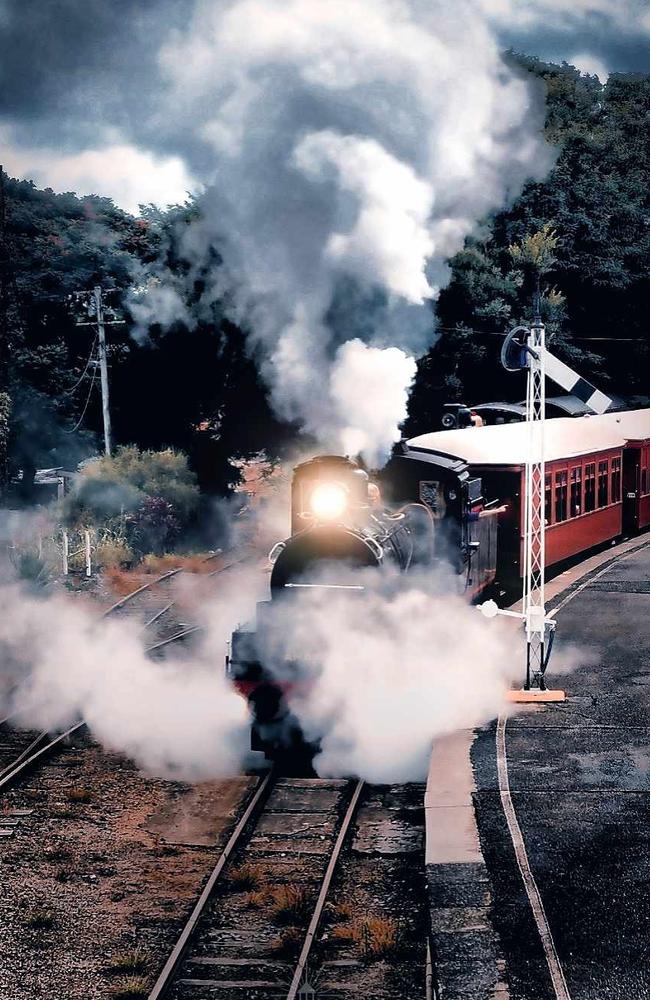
[582, 232]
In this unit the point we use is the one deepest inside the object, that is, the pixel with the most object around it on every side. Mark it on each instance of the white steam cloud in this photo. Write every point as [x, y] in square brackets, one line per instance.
[179, 718]
[347, 152]
[385, 672]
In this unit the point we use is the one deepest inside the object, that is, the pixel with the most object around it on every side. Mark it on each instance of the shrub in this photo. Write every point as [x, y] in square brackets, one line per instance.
[31, 569]
[142, 498]
[112, 484]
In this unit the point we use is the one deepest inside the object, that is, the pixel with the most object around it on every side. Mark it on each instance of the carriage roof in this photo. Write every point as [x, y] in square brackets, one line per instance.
[565, 437]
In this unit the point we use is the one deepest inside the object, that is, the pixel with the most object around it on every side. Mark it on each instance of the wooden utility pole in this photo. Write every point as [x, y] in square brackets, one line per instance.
[94, 304]
[103, 367]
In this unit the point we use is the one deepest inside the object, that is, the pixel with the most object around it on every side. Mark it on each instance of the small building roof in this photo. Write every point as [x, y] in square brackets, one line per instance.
[565, 437]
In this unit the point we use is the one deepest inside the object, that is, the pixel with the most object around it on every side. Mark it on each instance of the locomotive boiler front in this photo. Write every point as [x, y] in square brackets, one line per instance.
[336, 518]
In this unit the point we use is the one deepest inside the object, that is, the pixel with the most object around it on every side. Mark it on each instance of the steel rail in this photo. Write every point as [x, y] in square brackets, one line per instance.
[29, 749]
[145, 586]
[174, 638]
[158, 615]
[165, 979]
[310, 937]
[17, 768]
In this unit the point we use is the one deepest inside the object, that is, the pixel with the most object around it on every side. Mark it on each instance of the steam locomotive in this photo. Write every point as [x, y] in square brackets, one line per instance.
[419, 513]
[452, 498]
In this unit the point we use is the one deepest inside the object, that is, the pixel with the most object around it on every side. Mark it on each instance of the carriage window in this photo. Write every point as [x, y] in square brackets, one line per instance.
[590, 487]
[548, 500]
[561, 495]
[603, 483]
[616, 480]
[576, 492]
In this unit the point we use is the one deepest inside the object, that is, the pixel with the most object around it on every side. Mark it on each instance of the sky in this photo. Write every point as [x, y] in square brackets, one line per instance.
[83, 83]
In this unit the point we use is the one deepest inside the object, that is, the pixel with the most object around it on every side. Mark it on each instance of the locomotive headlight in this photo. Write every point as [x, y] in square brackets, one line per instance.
[328, 501]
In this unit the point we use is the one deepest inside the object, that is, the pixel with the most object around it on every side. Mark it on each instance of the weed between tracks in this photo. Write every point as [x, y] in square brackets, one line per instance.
[80, 794]
[375, 937]
[288, 944]
[246, 876]
[40, 919]
[287, 904]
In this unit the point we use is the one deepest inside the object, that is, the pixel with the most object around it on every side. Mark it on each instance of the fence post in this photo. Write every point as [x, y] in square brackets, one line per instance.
[65, 552]
[87, 543]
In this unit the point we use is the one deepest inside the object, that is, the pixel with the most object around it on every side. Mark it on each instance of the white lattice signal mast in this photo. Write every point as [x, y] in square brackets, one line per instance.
[526, 348]
[534, 604]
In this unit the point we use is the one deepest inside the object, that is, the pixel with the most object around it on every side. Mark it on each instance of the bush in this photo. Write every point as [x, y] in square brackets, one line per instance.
[140, 501]
[109, 487]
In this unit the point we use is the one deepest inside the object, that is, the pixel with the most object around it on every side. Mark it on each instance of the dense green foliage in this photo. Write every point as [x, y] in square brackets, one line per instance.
[596, 200]
[193, 389]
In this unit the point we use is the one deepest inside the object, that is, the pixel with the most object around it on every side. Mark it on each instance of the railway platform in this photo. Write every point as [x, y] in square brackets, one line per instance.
[538, 826]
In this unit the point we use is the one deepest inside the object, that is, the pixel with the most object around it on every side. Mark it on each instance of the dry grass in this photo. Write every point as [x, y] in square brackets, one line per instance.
[375, 937]
[79, 794]
[343, 911]
[125, 963]
[130, 988]
[246, 877]
[112, 554]
[289, 943]
[156, 565]
[257, 899]
[40, 919]
[290, 904]
[122, 581]
[287, 904]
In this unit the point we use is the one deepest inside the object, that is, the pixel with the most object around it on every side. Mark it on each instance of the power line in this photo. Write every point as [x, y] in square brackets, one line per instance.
[83, 412]
[68, 392]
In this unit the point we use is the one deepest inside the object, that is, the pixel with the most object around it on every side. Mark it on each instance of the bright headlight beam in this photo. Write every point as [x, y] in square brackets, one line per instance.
[328, 501]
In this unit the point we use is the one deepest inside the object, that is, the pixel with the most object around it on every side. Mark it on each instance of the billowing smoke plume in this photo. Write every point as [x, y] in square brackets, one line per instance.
[347, 151]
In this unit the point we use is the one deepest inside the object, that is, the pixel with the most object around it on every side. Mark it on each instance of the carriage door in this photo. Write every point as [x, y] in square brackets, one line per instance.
[631, 466]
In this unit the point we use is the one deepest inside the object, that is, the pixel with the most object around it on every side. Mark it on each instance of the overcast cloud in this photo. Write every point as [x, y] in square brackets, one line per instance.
[71, 70]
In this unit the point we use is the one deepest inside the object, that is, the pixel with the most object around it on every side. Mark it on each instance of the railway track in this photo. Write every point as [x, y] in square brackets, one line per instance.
[300, 882]
[21, 750]
[159, 613]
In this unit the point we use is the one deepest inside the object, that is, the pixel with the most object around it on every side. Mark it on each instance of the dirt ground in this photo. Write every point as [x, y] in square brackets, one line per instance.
[99, 868]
